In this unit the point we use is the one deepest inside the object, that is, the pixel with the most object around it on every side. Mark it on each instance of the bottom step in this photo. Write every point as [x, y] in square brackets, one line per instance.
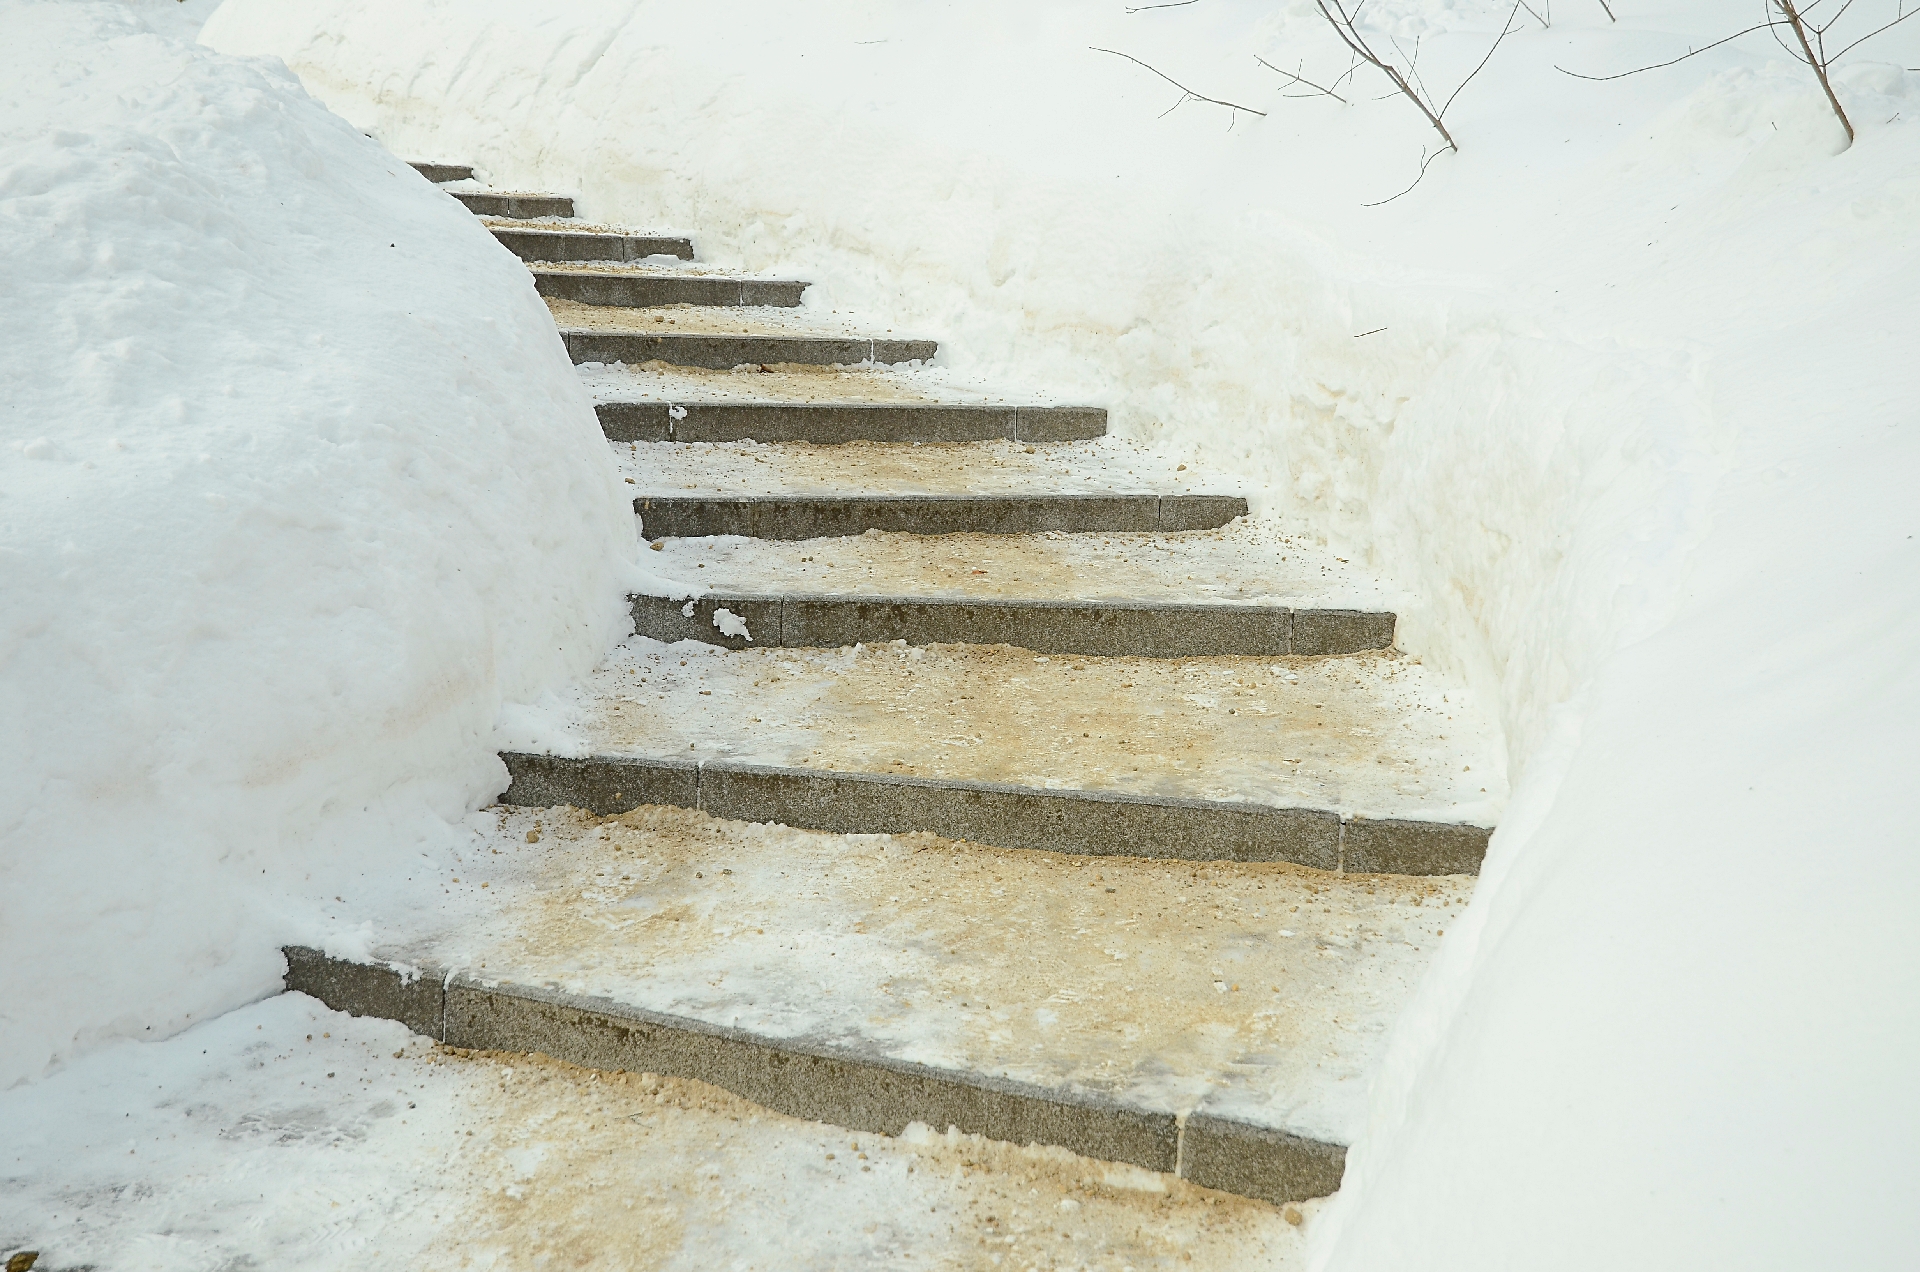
[862, 1092]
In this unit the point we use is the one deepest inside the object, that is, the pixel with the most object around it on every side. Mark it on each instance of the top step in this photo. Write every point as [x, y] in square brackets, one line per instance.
[438, 172]
[515, 207]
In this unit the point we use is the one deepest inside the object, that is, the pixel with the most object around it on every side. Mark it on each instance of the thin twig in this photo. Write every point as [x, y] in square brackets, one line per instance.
[1601, 79]
[1300, 79]
[1189, 93]
[1505, 31]
[1609, 9]
[1869, 35]
[1351, 37]
[1425, 161]
[1175, 5]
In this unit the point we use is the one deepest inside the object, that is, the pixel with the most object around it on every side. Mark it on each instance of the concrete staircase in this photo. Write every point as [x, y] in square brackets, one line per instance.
[992, 777]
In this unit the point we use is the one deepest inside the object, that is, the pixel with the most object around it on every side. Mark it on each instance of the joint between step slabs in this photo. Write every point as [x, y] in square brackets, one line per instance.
[843, 1086]
[1070, 822]
[1102, 628]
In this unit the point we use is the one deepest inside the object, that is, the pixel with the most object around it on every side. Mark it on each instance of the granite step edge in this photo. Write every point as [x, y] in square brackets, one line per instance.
[853, 1087]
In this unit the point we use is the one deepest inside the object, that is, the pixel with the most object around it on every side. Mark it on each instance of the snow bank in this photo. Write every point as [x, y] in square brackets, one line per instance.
[297, 489]
[1618, 391]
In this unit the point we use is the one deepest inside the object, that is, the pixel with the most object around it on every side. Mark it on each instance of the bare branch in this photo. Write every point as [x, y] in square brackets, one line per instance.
[1505, 31]
[1609, 9]
[1300, 79]
[1189, 93]
[1425, 161]
[1601, 79]
[1349, 34]
[1818, 63]
[1177, 4]
[1869, 35]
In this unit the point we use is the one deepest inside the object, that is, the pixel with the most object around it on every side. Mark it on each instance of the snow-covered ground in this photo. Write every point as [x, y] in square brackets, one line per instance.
[1619, 397]
[286, 1135]
[297, 490]
[1621, 393]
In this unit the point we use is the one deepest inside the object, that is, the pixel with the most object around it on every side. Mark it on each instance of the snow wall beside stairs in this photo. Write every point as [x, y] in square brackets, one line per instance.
[1618, 393]
[297, 489]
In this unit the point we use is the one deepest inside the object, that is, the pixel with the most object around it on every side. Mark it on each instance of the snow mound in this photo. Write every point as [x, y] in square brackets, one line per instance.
[297, 490]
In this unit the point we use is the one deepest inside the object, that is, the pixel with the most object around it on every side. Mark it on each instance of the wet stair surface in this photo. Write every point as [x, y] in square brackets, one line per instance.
[977, 771]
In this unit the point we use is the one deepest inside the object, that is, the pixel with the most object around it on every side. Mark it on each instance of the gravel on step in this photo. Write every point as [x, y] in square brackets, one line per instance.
[1371, 734]
[1259, 992]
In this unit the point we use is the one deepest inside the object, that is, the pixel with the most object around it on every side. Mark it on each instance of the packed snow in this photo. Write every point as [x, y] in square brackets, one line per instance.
[297, 490]
[1619, 397]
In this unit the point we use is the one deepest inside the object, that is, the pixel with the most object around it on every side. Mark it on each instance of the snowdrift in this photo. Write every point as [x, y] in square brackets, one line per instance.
[297, 489]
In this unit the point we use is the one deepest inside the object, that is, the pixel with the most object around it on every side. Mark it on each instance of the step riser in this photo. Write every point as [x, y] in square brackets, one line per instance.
[721, 353]
[565, 245]
[1095, 629]
[1080, 823]
[816, 517]
[517, 207]
[439, 172]
[632, 292]
[839, 1086]
[832, 424]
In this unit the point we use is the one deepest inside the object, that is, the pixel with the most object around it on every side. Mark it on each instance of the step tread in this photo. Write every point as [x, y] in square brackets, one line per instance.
[455, 1160]
[1102, 466]
[1249, 563]
[709, 320]
[902, 948]
[806, 386]
[659, 266]
[1372, 734]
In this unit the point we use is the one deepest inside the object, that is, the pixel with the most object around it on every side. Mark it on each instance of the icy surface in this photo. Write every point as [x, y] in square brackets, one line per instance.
[1246, 563]
[1107, 465]
[1256, 991]
[287, 1136]
[1372, 734]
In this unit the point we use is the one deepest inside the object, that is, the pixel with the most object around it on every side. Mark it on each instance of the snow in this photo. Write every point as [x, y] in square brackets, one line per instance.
[1620, 396]
[287, 1135]
[297, 491]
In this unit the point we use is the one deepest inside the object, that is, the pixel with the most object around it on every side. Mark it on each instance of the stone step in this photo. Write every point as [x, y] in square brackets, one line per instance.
[831, 423]
[1218, 1021]
[1083, 823]
[518, 207]
[290, 1122]
[439, 172]
[606, 287]
[1365, 763]
[580, 245]
[1251, 564]
[1145, 629]
[722, 338]
[822, 516]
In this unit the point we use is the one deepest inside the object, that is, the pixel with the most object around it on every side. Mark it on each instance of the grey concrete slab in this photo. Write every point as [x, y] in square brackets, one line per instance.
[1078, 822]
[669, 620]
[642, 290]
[599, 784]
[1341, 631]
[1087, 823]
[438, 172]
[823, 516]
[1392, 846]
[519, 207]
[846, 1086]
[717, 352]
[1253, 1161]
[830, 423]
[371, 989]
[1091, 628]
[576, 245]
[1199, 512]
